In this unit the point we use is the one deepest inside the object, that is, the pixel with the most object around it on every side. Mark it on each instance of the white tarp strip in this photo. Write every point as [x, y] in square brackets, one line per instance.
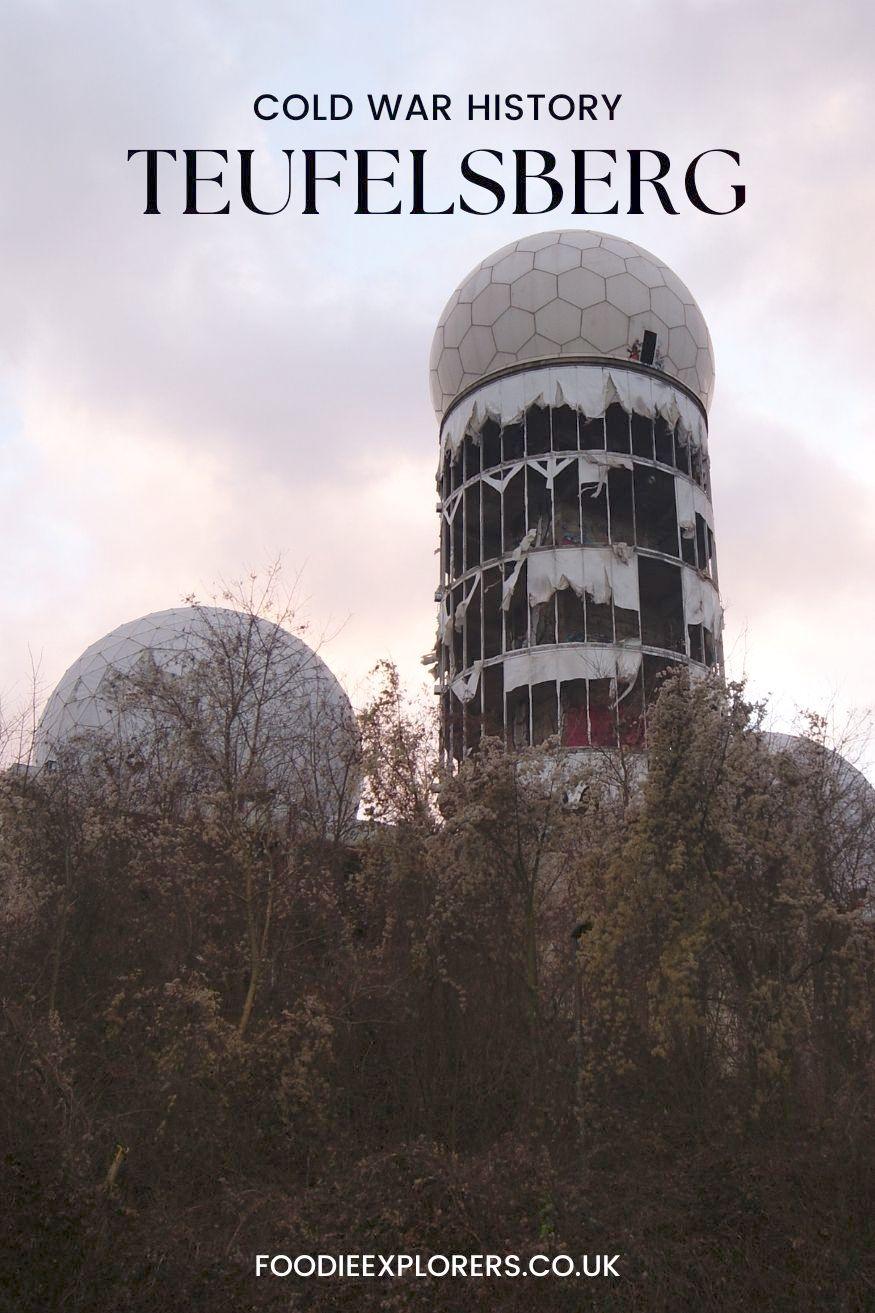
[599, 571]
[465, 686]
[690, 500]
[452, 504]
[502, 477]
[702, 504]
[551, 466]
[589, 389]
[683, 495]
[701, 601]
[540, 665]
[459, 615]
[445, 623]
[551, 570]
[519, 556]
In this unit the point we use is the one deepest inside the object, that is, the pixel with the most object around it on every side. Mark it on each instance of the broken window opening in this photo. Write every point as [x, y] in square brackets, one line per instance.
[704, 561]
[490, 444]
[688, 546]
[566, 497]
[458, 635]
[473, 642]
[458, 563]
[627, 625]
[571, 617]
[642, 436]
[602, 714]
[599, 622]
[537, 430]
[514, 511]
[663, 441]
[543, 622]
[662, 605]
[656, 519]
[513, 442]
[617, 428]
[492, 613]
[540, 507]
[622, 506]
[630, 714]
[697, 643]
[472, 526]
[591, 434]
[575, 726]
[594, 515]
[544, 711]
[518, 717]
[445, 551]
[681, 452]
[696, 466]
[493, 701]
[471, 453]
[516, 622]
[710, 647]
[564, 429]
[456, 472]
[446, 477]
[491, 522]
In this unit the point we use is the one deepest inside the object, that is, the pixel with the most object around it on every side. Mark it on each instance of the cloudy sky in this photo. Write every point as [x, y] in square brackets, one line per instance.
[183, 398]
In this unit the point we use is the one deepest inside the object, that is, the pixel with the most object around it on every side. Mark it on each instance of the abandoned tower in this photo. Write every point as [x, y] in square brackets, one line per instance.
[571, 374]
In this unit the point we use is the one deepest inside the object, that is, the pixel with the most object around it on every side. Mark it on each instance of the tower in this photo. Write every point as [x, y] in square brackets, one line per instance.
[571, 374]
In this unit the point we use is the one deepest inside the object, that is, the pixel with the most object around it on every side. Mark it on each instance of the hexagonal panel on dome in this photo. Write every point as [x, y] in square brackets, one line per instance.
[490, 303]
[533, 290]
[558, 320]
[562, 294]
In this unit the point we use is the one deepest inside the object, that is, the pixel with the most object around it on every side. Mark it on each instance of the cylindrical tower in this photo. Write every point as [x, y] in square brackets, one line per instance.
[571, 374]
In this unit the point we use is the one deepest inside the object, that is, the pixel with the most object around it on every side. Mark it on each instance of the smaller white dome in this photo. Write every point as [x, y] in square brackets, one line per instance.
[567, 294]
[291, 720]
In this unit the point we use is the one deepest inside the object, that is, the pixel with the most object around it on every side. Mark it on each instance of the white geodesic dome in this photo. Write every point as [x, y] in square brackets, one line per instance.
[254, 691]
[570, 293]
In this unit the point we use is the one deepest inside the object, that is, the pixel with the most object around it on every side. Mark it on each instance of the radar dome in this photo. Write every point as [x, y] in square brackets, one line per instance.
[243, 685]
[566, 295]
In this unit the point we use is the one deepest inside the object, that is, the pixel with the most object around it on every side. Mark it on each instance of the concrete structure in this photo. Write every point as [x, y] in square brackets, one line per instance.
[571, 374]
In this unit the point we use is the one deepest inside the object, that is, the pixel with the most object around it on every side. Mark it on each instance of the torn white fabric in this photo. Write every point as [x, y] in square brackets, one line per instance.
[445, 622]
[702, 504]
[691, 500]
[701, 601]
[599, 571]
[686, 507]
[500, 478]
[589, 389]
[550, 466]
[571, 661]
[465, 686]
[519, 556]
[551, 570]
[624, 578]
[452, 504]
[459, 614]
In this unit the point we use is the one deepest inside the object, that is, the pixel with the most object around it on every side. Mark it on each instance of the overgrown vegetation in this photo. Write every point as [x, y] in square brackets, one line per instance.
[638, 1022]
